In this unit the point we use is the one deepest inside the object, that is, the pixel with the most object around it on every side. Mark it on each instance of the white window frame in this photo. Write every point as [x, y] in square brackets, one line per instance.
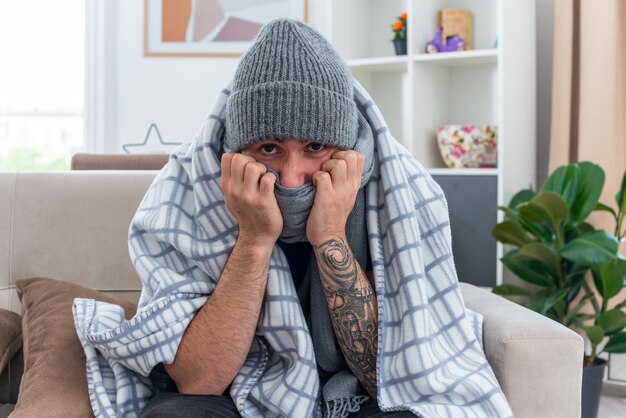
[100, 118]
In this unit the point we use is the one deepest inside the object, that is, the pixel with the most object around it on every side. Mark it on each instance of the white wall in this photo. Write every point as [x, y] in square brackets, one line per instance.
[176, 93]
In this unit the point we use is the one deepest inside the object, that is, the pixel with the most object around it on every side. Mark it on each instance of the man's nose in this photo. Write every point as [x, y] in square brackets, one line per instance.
[292, 175]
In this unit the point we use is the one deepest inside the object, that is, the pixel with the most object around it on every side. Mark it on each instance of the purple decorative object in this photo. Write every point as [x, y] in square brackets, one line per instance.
[453, 43]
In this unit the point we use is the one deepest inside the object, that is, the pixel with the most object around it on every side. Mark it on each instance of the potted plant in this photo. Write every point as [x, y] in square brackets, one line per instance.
[398, 28]
[554, 249]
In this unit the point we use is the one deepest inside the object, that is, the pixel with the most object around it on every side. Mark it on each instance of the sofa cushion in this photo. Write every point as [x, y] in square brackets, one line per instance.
[10, 336]
[54, 383]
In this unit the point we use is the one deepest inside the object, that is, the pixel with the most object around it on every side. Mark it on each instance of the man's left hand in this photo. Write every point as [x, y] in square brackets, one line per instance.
[337, 185]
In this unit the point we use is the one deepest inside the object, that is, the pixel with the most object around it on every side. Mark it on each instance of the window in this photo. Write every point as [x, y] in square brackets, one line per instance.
[41, 83]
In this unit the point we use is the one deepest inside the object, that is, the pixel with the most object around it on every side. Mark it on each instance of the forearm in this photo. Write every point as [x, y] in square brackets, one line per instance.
[353, 308]
[218, 339]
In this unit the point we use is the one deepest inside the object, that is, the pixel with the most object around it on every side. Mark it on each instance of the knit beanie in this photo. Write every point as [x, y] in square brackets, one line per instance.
[291, 84]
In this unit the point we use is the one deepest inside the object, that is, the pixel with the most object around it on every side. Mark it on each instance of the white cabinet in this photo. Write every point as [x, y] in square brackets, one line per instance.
[492, 84]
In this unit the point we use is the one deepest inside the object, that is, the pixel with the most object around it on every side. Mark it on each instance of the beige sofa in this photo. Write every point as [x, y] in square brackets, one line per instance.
[72, 226]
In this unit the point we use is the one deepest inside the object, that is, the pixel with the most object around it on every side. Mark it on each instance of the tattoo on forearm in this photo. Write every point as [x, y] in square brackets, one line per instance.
[352, 304]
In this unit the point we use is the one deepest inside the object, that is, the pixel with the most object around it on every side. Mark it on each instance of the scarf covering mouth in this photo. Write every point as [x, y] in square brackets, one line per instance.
[295, 204]
[429, 361]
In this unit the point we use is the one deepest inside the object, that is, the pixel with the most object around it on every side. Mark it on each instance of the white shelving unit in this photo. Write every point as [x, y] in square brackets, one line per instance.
[492, 84]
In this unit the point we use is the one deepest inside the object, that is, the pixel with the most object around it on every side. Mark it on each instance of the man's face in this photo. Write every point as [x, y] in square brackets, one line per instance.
[295, 160]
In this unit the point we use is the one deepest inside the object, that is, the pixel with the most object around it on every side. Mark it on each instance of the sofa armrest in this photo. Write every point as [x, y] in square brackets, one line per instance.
[537, 361]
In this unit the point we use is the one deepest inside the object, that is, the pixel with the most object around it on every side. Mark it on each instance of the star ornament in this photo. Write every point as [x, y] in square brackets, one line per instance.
[152, 144]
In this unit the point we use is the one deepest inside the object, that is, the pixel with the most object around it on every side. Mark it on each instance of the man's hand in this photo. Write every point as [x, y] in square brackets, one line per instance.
[249, 195]
[337, 185]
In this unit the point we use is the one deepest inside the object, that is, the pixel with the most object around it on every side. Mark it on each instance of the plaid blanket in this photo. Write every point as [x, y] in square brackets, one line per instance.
[430, 359]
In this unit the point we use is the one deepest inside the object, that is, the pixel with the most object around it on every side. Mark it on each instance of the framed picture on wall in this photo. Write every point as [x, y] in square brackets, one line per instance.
[210, 27]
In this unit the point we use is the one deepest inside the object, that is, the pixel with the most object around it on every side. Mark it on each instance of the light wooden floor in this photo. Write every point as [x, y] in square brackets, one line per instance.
[612, 407]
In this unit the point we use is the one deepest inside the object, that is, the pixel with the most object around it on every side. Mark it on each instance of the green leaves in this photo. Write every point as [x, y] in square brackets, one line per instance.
[531, 212]
[509, 232]
[544, 304]
[610, 278]
[617, 344]
[595, 334]
[511, 290]
[612, 321]
[589, 190]
[620, 197]
[520, 197]
[510, 211]
[541, 231]
[531, 217]
[573, 318]
[542, 253]
[591, 249]
[564, 182]
[580, 185]
[609, 324]
[602, 207]
[545, 206]
[529, 270]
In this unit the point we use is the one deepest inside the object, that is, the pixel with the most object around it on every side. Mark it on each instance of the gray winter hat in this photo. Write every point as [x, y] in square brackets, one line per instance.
[291, 84]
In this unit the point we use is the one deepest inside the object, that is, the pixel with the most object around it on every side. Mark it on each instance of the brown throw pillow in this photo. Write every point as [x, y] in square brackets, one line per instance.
[54, 383]
[10, 336]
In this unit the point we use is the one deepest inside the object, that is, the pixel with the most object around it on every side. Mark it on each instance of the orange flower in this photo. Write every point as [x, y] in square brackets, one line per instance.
[398, 28]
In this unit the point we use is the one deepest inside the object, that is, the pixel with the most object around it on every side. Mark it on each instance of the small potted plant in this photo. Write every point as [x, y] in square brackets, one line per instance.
[398, 29]
[555, 249]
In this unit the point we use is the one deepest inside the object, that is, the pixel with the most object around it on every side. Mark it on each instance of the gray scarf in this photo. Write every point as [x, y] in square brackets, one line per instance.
[295, 203]
[339, 386]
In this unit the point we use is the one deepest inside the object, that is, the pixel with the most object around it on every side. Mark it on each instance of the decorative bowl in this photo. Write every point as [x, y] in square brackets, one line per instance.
[468, 146]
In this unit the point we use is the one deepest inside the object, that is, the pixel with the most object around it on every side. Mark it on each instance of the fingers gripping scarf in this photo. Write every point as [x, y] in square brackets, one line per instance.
[429, 357]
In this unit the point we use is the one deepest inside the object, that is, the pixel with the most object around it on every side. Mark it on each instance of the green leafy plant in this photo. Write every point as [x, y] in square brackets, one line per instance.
[555, 248]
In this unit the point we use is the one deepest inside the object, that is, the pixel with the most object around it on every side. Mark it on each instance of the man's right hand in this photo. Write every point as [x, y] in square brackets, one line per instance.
[249, 195]
[229, 318]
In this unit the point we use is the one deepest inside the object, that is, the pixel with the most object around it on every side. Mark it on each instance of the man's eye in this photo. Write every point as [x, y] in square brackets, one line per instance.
[268, 149]
[316, 147]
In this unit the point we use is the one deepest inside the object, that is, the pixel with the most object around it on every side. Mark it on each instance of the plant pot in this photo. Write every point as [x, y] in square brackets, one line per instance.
[592, 388]
[400, 46]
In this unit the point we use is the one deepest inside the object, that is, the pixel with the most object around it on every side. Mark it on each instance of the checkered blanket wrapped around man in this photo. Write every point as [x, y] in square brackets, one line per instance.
[430, 359]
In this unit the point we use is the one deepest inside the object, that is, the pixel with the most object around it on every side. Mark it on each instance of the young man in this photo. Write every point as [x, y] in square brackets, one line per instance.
[303, 150]
[296, 262]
